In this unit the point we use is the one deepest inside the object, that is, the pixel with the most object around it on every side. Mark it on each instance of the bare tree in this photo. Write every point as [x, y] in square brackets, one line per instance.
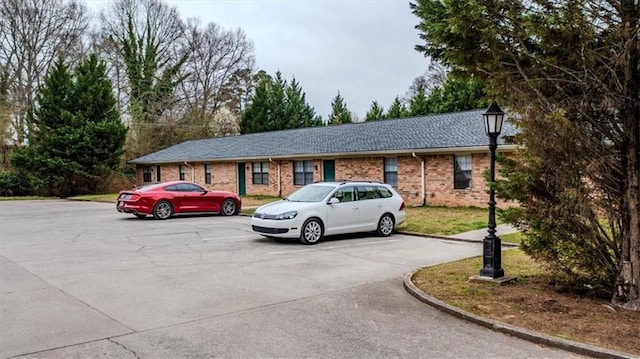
[33, 33]
[148, 37]
[220, 64]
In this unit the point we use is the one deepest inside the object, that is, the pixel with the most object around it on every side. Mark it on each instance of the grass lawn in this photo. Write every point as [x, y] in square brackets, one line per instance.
[23, 198]
[532, 302]
[110, 197]
[444, 221]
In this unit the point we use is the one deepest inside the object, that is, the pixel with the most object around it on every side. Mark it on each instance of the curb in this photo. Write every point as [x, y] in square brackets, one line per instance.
[535, 337]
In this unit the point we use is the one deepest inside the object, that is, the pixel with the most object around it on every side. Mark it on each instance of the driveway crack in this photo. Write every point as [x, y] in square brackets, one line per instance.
[124, 347]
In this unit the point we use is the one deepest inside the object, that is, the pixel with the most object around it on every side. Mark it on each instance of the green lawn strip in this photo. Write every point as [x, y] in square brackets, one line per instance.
[257, 200]
[109, 197]
[515, 238]
[25, 198]
[444, 220]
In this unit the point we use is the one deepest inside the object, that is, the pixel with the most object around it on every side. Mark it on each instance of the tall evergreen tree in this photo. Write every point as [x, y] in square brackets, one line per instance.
[298, 112]
[339, 111]
[79, 136]
[376, 112]
[418, 104]
[99, 149]
[277, 105]
[278, 100]
[257, 115]
[571, 71]
[397, 109]
[457, 94]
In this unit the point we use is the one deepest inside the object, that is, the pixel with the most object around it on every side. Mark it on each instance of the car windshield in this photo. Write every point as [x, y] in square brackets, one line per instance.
[310, 194]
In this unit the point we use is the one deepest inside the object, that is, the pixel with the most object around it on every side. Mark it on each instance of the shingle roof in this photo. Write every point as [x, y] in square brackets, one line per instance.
[445, 131]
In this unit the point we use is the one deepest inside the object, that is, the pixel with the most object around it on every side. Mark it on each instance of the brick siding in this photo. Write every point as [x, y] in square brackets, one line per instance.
[438, 180]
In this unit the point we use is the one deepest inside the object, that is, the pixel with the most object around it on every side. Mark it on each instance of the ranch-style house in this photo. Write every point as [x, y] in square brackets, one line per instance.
[430, 160]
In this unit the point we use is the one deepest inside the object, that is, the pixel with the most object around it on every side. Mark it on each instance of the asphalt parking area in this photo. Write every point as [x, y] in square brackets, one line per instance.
[79, 279]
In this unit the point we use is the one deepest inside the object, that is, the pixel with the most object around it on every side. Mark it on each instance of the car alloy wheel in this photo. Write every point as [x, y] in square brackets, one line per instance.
[162, 210]
[311, 231]
[228, 207]
[385, 225]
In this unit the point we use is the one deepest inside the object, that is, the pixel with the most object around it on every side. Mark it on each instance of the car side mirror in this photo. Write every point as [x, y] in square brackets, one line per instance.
[205, 192]
[333, 200]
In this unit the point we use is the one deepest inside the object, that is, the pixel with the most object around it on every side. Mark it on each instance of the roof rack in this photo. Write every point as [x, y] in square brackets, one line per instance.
[356, 180]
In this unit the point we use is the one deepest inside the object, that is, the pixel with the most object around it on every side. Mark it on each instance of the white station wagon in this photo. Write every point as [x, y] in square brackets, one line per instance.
[329, 208]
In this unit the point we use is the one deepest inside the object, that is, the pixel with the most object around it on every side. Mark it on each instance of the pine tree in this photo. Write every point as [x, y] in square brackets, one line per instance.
[79, 137]
[339, 111]
[418, 104]
[257, 115]
[101, 144]
[397, 109]
[277, 105]
[376, 112]
[457, 94]
[553, 66]
[278, 116]
[298, 112]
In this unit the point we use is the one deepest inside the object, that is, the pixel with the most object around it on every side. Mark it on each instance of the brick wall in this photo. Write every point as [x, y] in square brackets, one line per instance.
[438, 184]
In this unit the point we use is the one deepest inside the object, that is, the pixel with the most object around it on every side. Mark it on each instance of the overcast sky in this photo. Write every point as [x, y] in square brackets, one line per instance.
[362, 48]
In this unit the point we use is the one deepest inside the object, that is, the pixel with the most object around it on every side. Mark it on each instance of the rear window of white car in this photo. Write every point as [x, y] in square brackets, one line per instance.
[384, 192]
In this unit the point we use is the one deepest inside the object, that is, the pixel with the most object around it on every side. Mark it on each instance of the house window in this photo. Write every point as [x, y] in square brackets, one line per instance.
[146, 174]
[158, 177]
[182, 172]
[207, 173]
[391, 171]
[260, 172]
[462, 172]
[302, 172]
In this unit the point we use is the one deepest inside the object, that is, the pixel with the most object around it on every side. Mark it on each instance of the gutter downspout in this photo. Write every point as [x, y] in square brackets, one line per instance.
[193, 171]
[279, 177]
[422, 179]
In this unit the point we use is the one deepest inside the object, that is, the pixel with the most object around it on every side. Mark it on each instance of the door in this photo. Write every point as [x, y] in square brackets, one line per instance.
[196, 199]
[370, 207]
[329, 170]
[242, 178]
[343, 217]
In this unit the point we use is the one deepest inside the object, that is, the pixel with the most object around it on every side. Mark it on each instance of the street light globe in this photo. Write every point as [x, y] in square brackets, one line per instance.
[493, 119]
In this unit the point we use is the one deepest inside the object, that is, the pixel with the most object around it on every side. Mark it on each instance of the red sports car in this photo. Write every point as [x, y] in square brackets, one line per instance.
[163, 200]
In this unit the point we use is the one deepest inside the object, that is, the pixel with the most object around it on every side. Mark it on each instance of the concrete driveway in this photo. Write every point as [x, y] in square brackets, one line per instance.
[79, 280]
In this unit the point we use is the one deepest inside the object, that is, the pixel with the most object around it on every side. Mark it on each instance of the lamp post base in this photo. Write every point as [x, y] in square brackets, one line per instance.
[499, 280]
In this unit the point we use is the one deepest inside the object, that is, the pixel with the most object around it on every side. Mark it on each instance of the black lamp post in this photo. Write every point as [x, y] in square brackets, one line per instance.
[492, 246]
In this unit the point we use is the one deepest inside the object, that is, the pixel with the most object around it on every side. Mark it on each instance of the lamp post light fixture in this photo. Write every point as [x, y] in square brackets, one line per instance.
[492, 246]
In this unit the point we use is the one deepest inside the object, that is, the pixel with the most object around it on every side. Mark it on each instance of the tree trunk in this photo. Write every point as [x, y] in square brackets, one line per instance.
[627, 291]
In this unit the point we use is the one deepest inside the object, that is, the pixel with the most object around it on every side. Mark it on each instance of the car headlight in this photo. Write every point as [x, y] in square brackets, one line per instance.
[287, 215]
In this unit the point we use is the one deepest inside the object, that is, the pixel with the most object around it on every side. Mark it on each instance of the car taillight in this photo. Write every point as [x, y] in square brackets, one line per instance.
[402, 206]
[128, 197]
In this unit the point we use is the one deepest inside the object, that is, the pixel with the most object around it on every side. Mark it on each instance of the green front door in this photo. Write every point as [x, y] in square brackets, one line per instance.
[329, 170]
[242, 185]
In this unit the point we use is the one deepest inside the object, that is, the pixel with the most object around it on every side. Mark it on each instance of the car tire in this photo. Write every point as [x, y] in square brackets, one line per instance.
[386, 225]
[162, 210]
[311, 232]
[140, 215]
[228, 207]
